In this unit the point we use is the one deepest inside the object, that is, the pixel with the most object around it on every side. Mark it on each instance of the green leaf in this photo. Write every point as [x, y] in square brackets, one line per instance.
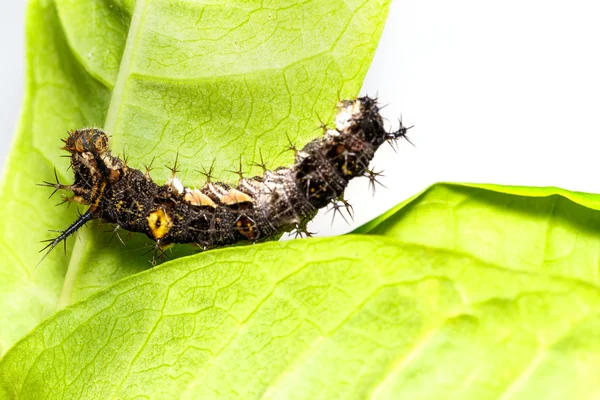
[207, 80]
[59, 95]
[349, 317]
[549, 230]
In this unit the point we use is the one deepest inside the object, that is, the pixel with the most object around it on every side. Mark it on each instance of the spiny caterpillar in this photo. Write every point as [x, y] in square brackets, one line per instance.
[216, 215]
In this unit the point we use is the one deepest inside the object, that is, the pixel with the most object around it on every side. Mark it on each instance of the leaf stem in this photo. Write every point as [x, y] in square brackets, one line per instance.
[110, 126]
[73, 270]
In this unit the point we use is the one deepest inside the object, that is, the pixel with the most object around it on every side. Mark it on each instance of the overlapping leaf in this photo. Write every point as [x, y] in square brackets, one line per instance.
[347, 317]
[546, 230]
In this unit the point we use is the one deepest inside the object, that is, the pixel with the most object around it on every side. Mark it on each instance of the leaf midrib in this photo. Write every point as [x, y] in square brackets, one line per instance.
[110, 124]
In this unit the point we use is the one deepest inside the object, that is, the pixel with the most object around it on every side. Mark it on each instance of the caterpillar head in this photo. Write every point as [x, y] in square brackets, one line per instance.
[91, 140]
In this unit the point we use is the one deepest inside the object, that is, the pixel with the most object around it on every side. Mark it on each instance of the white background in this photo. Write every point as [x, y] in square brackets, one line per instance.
[12, 70]
[500, 92]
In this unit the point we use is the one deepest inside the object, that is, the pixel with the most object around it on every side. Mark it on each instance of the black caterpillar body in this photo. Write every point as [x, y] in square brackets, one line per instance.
[217, 215]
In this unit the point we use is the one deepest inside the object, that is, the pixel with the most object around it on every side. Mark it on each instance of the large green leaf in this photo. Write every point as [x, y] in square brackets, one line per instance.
[210, 80]
[350, 317]
[549, 230]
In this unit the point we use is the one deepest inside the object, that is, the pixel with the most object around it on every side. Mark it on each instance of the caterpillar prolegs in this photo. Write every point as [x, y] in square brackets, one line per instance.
[218, 214]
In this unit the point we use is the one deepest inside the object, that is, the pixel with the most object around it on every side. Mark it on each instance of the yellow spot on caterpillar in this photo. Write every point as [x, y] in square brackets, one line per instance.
[159, 223]
[345, 170]
[246, 227]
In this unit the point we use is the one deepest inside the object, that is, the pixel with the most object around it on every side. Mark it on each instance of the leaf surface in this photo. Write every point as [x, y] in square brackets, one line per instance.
[209, 80]
[346, 317]
[548, 230]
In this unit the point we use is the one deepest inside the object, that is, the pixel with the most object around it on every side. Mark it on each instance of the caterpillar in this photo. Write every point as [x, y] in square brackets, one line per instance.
[257, 209]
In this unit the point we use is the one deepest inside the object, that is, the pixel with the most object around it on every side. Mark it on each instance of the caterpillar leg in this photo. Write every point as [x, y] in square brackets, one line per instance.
[159, 253]
[300, 230]
[337, 205]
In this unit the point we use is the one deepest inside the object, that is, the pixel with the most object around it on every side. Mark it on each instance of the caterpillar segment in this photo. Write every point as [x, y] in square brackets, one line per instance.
[218, 214]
